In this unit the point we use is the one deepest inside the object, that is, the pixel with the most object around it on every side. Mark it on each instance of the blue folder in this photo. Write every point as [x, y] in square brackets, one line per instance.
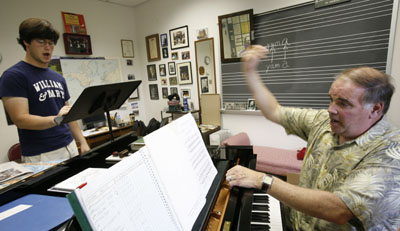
[46, 213]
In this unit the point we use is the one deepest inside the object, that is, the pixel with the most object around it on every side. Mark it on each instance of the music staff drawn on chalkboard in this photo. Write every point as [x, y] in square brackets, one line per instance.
[274, 48]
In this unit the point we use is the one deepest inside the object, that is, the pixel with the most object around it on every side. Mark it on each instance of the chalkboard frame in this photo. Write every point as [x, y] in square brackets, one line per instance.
[234, 86]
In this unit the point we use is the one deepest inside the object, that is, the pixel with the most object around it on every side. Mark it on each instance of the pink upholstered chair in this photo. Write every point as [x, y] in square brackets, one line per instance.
[271, 160]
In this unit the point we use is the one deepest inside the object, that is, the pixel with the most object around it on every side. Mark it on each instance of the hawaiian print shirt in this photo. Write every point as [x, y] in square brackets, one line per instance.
[364, 173]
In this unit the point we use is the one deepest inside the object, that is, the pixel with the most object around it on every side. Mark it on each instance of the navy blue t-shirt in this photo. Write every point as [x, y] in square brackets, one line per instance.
[46, 91]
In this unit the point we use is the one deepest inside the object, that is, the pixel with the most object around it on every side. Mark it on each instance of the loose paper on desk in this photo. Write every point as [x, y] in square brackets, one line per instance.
[178, 146]
[10, 170]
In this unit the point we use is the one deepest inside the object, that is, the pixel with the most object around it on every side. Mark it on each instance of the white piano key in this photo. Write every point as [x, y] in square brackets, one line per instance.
[274, 213]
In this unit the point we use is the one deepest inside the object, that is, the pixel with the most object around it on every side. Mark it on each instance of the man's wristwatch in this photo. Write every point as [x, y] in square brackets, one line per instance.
[267, 181]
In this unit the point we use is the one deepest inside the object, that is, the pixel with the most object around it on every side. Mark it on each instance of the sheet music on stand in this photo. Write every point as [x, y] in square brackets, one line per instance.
[167, 179]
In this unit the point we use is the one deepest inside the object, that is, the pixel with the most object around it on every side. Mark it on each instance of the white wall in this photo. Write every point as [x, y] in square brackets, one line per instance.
[106, 24]
[158, 16]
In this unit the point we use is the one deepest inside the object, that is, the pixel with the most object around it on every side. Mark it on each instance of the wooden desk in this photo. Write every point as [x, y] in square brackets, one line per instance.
[95, 138]
[177, 114]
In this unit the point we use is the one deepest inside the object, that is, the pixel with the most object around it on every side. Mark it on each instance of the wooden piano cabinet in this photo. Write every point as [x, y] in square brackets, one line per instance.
[218, 212]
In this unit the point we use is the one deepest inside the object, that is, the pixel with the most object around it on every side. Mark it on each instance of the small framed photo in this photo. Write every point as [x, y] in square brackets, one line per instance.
[251, 104]
[164, 91]
[129, 62]
[163, 71]
[204, 84]
[174, 56]
[164, 40]
[151, 72]
[127, 48]
[77, 44]
[131, 77]
[135, 94]
[165, 52]
[184, 71]
[202, 33]
[185, 55]
[153, 48]
[179, 37]
[164, 81]
[173, 80]
[171, 68]
[173, 90]
[185, 93]
[153, 91]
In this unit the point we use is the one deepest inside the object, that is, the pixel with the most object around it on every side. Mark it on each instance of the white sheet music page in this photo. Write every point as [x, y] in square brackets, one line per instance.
[127, 198]
[184, 166]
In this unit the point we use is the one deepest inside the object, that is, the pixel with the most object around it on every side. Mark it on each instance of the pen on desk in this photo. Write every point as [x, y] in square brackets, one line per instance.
[82, 185]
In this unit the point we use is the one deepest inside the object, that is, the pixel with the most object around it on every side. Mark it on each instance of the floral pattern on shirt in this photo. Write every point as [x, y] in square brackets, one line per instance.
[364, 173]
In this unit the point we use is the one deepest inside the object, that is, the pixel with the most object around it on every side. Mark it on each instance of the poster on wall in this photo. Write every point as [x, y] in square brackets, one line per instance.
[73, 23]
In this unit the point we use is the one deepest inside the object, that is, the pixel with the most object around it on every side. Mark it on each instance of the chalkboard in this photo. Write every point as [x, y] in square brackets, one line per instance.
[309, 47]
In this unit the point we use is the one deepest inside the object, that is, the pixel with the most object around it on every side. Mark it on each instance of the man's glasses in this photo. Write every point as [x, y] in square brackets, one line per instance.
[44, 42]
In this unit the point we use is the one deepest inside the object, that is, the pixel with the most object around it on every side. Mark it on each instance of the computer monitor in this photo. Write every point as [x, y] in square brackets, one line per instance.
[98, 120]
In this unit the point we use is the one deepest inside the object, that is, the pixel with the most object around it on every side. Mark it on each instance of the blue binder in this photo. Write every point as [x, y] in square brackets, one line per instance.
[45, 213]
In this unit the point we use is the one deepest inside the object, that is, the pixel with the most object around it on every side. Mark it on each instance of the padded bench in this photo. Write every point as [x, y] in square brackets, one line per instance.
[270, 160]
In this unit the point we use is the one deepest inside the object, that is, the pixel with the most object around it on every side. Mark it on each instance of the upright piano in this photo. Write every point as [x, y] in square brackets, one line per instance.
[225, 209]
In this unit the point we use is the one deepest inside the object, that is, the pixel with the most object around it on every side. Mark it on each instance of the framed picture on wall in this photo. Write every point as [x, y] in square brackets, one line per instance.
[173, 90]
[153, 48]
[164, 91]
[165, 52]
[164, 40]
[174, 56]
[127, 48]
[179, 37]
[185, 55]
[204, 84]
[185, 93]
[235, 34]
[135, 94]
[173, 80]
[77, 44]
[151, 72]
[163, 71]
[153, 91]
[184, 71]
[171, 68]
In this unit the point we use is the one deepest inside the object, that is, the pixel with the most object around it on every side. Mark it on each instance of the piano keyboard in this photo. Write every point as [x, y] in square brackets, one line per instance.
[266, 213]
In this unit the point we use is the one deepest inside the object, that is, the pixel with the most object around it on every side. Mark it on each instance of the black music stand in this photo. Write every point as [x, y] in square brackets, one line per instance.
[99, 99]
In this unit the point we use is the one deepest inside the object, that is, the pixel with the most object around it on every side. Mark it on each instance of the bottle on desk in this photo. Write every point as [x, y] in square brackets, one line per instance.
[185, 104]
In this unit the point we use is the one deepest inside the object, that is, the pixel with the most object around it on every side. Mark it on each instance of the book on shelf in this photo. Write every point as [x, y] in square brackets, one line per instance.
[168, 180]
[77, 180]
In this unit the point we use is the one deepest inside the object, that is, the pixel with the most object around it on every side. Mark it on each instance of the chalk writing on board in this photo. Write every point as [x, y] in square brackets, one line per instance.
[275, 48]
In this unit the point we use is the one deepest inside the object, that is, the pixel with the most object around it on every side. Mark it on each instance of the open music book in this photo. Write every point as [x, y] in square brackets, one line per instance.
[77, 180]
[162, 186]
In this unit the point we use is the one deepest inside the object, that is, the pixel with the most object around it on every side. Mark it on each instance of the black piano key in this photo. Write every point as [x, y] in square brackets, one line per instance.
[260, 228]
[261, 207]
